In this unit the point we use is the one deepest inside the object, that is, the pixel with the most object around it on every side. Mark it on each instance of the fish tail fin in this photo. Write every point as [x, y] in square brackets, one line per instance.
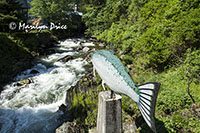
[147, 100]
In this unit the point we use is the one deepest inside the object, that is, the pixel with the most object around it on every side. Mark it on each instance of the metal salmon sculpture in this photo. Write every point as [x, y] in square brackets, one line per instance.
[115, 75]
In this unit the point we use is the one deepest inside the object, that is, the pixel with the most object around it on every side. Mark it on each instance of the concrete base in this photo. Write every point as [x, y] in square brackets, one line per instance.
[109, 118]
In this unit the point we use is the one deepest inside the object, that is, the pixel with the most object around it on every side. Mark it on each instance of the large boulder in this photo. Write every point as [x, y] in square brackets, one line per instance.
[85, 49]
[79, 48]
[70, 127]
[66, 58]
[23, 82]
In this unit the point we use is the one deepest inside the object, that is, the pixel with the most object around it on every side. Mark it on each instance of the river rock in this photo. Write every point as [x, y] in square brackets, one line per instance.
[101, 45]
[83, 41]
[120, 52]
[66, 58]
[129, 127]
[85, 49]
[54, 72]
[129, 66]
[79, 48]
[92, 40]
[70, 127]
[34, 71]
[23, 82]
[92, 131]
[63, 108]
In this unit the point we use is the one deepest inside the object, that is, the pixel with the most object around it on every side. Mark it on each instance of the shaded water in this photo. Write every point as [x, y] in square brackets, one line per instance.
[33, 107]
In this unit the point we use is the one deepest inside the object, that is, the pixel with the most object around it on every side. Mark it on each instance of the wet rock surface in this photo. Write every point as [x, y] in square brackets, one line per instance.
[66, 58]
[79, 48]
[63, 108]
[71, 127]
[85, 49]
[34, 72]
[23, 82]
[129, 127]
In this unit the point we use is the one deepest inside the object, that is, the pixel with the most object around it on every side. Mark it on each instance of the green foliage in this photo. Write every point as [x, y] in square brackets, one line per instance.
[173, 107]
[85, 103]
[89, 19]
[170, 100]
[192, 65]
[51, 11]
[59, 12]
[156, 33]
[182, 121]
[10, 11]
[130, 108]
[31, 42]
[99, 18]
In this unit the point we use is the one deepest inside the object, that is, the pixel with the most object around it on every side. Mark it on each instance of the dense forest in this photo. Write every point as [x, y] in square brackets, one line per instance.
[159, 40]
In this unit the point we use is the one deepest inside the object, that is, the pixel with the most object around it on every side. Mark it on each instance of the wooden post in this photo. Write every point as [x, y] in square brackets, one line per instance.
[109, 118]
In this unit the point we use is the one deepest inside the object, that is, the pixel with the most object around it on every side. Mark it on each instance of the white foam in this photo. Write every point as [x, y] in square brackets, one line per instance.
[32, 107]
[69, 43]
[28, 119]
[87, 44]
[57, 56]
[26, 74]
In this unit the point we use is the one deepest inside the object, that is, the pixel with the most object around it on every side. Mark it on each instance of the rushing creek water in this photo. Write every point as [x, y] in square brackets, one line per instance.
[33, 107]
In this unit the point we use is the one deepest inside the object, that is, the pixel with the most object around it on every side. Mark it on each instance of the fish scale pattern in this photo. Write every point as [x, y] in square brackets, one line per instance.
[119, 66]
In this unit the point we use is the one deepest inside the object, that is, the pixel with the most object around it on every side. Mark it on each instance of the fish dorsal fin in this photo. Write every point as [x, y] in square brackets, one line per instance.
[112, 48]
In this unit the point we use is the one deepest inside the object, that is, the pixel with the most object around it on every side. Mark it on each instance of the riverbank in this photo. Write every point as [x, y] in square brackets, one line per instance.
[37, 95]
[18, 50]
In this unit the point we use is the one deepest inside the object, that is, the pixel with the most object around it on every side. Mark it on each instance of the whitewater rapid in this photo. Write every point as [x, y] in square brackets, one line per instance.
[33, 107]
